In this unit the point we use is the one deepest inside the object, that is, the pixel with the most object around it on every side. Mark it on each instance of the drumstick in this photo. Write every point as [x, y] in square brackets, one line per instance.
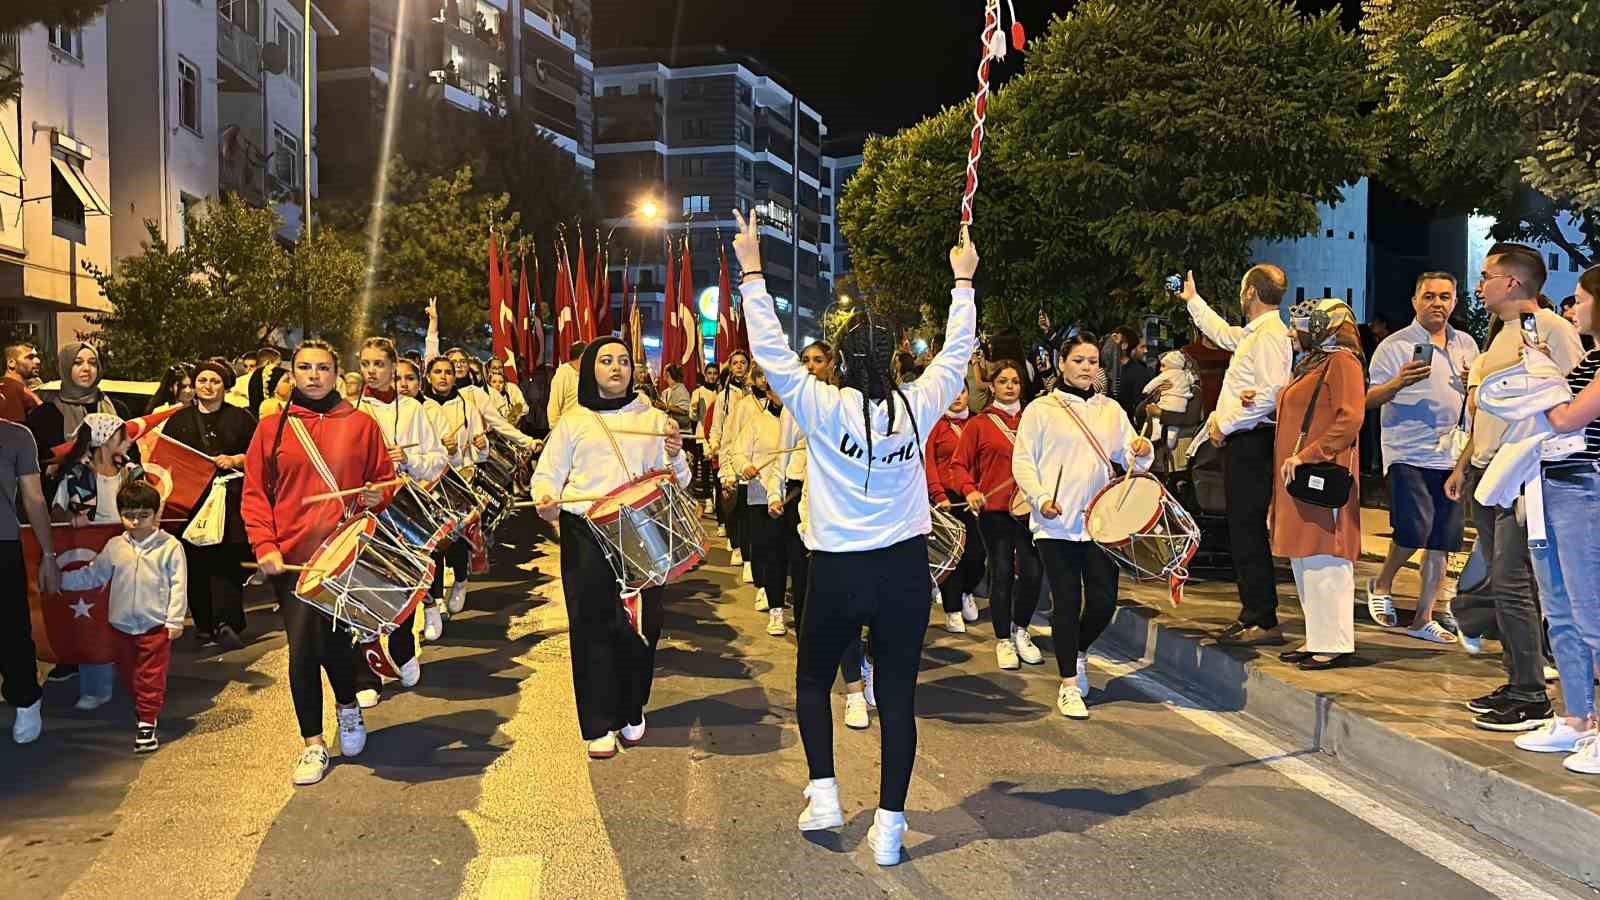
[777, 454]
[592, 498]
[792, 495]
[334, 495]
[639, 433]
[287, 567]
[1055, 492]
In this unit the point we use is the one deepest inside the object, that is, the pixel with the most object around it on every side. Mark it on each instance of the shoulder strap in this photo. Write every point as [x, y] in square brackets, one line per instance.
[1007, 430]
[1093, 441]
[310, 446]
[1311, 408]
[614, 448]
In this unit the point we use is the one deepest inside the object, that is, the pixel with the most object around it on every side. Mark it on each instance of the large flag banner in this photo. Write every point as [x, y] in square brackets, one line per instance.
[566, 316]
[727, 330]
[72, 627]
[671, 334]
[602, 294]
[533, 333]
[689, 322]
[180, 473]
[502, 318]
[581, 299]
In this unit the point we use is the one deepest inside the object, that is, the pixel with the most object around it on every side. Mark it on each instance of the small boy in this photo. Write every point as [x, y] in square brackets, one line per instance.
[149, 599]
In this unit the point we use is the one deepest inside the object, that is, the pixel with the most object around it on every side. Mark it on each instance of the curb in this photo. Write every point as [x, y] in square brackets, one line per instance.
[1544, 827]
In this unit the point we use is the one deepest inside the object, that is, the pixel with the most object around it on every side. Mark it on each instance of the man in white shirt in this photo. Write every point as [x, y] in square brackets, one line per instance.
[564, 385]
[1243, 426]
[1419, 379]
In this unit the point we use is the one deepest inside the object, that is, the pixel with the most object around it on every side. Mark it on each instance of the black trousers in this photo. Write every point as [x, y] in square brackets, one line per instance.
[1083, 584]
[1247, 483]
[704, 484]
[315, 648]
[19, 665]
[1013, 571]
[612, 669]
[458, 556]
[969, 571]
[887, 590]
[795, 552]
[732, 508]
[216, 579]
[769, 547]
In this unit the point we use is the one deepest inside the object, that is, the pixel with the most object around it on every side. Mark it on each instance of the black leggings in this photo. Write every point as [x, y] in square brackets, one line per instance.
[732, 508]
[770, 551]
[1083, 582]
[885, 589]
[612, 669]
[215, 585]
[799, 557]
[969, 571]
[458, 556]
[314, 645]
[1013, 571]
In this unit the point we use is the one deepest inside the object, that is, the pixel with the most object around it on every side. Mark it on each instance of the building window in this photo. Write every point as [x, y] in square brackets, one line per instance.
[746, 170]
[825, 206]
[188, 95]
[1350, 296]
[246, 14]
[67, 40]
[72, 199]
[696, 128]
[288, 38]
[285, 158]
[699, 203]
[614, 90]
[692, 166]
[742, 133]
[1327, 292]
[1330, 232]
[743, 93]
[1352, 235]
[1299, 294]
[1555, 262]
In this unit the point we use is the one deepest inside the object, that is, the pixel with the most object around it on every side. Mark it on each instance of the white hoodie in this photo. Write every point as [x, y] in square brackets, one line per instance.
[851, 507]
[149, 581]
[1051, 447]
[579, 461]
[405, 425]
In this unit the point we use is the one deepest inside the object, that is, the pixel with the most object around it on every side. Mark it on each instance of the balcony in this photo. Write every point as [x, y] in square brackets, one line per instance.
[241, 51]
[10, 51]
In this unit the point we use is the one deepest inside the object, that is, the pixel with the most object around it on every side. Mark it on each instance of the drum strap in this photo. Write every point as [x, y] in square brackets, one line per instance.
[1093, 441]
[321, 465]
[614, 448]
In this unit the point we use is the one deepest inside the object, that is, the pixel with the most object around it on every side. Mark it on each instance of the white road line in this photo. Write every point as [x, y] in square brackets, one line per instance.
[1462, 860]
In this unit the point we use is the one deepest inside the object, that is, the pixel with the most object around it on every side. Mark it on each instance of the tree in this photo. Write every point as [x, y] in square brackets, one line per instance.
[1141, 138]
[1494, 106]
[230, 287]
[16, 15]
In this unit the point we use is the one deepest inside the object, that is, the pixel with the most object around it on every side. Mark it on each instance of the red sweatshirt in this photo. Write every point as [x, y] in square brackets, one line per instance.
[982, 461]
[940, 448]
[351, 444]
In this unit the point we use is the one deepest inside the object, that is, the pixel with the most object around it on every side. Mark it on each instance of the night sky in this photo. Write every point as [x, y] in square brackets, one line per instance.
[866, 65]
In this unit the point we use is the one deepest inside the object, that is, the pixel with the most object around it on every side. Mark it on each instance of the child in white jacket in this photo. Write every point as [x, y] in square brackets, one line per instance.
[149, 600]
[1171, 392]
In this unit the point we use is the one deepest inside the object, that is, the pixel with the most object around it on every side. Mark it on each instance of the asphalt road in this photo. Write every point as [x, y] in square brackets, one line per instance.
[475, 783]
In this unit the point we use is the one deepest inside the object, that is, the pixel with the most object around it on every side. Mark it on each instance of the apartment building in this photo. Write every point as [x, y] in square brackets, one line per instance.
[839, 165]
[693, 134]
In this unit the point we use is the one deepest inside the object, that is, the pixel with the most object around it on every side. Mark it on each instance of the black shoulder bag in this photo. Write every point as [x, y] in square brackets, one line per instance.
[1325, 484]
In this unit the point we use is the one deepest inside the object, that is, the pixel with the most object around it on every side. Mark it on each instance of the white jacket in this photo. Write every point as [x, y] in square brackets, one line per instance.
[563, 392]
[1521, 395]
[858, 504]
[579, 460]
[489, 415]
[149, 581]
[406, 425]
[757, 444]
[725, 421]
[461, 419]
[1051, 448]
[735, 441]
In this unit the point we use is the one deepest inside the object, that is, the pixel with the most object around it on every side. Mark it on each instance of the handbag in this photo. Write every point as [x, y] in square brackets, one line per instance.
[210, 521]
[1324, 484]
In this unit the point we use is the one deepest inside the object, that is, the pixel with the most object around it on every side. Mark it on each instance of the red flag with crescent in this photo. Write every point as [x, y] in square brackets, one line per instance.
[180, 473]
[71, 627]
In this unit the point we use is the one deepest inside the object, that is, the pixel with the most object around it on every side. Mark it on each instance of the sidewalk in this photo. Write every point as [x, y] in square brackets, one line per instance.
[1396, 715]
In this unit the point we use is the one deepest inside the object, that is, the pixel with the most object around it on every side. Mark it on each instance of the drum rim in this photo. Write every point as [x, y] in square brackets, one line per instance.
[1088, 511]
[653, 475]
[368, 524]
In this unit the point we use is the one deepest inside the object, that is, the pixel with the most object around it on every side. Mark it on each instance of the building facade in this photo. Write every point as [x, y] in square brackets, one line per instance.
[711, 132]
[837, 170]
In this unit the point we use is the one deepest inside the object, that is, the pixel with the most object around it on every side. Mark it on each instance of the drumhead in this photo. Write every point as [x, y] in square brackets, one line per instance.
[336, 553]
[1124, 508]
[641, 491]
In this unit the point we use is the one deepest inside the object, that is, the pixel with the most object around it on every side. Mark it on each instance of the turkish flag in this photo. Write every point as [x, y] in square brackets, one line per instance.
[566, 317]
[688, 323]
[583, 299]
[727, 328]
[180, 473]
[72, 627]
[136, 428]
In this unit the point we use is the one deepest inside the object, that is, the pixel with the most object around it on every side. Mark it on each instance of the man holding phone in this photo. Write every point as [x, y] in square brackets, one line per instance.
[1418, 377]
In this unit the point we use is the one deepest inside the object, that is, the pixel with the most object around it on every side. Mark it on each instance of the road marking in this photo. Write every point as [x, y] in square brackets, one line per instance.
[1440, 848]
[512, 878]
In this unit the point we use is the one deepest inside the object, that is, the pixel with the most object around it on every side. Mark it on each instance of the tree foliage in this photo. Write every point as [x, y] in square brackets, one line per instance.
[1141, 138]
[16, 15]
[230, 287]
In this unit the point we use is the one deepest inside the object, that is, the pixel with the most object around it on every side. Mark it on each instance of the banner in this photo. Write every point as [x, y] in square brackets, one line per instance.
[180, 473]
[72, 627]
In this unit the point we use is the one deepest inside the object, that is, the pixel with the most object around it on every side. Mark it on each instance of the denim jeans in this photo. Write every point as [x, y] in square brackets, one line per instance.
[96, 680]
[1568, 569]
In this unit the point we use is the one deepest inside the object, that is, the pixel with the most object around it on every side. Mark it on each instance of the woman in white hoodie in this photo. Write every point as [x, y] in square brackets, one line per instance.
[593, 450]
[1066, 443]
[754, 455]
[464, 436]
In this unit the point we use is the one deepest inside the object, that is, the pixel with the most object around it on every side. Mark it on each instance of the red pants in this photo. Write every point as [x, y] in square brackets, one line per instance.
[142, 661]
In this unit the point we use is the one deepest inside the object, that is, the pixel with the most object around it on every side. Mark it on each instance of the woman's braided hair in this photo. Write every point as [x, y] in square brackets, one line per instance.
[865, 355]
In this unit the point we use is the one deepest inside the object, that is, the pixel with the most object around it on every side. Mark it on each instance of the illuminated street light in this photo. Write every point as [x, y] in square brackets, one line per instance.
[649, 211]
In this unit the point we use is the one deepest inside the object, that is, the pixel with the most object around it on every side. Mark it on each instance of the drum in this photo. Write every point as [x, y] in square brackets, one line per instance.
[495, 490]
[946, 542]
[366, 577]
[419, 517]
[456, 495]
[1138, 522]
[513, 459]
[650, 529]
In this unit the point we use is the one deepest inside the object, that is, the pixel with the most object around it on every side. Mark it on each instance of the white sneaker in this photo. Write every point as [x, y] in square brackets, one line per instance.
[458, 597]
[312, 765]
[432, 623]
[631, 735]
[884, 837]
[855, 712]
[738, 558]
[1586, 761]
[411, 672]
[1025, 648]
[866, 679]
[746, 576]
[775, 625]
[603, 747]
[352, 731]
[938, 596]
[1473, 645]
[722, 531]
[822, 810]
[1554, 736]
[761, 600]
[1083, 674]
[367, 699]
[969, 607]
[1070, 702]
[25, 730]
[87, 702]
[1005, 653]
[954, 624]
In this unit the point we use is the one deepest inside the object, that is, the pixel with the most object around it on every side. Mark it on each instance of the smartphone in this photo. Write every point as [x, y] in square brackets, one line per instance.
[1423, 354]
[1530, 327]
[1174, 284]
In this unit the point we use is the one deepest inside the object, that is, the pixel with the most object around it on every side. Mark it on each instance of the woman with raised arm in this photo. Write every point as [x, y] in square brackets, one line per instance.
[867, 521]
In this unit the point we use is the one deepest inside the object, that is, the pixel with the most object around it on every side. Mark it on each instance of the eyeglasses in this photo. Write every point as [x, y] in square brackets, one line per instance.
[1485, 277]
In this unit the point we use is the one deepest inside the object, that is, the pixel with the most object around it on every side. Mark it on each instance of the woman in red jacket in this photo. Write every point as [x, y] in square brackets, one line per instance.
[317, 432]
[956, 591]
[981, 473]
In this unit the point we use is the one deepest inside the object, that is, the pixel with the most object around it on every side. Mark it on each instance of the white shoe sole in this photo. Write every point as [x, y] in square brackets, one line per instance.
[883, 857]
[304, 781]
[834, 819]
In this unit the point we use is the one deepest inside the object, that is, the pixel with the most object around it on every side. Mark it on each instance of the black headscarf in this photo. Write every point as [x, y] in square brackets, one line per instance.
[589, 386]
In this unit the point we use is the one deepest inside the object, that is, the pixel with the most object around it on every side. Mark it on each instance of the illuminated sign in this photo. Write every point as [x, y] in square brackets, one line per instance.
[709, 299]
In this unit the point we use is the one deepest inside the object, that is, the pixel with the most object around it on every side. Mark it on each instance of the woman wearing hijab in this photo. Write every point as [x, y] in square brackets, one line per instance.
[590, 453]
[1321, 544]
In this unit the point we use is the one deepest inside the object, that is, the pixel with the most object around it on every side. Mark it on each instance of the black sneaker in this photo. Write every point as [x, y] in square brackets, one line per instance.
[62, 673]
[1519, 715]
[227, 638]
[1491, 701]
[144, 739]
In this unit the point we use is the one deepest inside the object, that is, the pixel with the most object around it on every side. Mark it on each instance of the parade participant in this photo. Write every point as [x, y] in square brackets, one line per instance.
[724, 421]
[414, 449]
[471, 388]
[588, 455]
[295, 454]
[734, 473]
[408, 379]
[564, 385]
[460, 429]
[955, 594]
[674, 399]
[504, 397]
[148, 601]
[258, 385]
[239, 385]
[754, 454]
[16, 398]
[981, 471]
[279, 384]
[19, 481]
[1043, 360]
[350, 386]
[700, 402]
[222, 432]
[176, 389]
[867, 523]
[1066, 442]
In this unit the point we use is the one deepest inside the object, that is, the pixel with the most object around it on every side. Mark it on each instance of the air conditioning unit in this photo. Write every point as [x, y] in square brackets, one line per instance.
[554, 20]
[540, 70]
